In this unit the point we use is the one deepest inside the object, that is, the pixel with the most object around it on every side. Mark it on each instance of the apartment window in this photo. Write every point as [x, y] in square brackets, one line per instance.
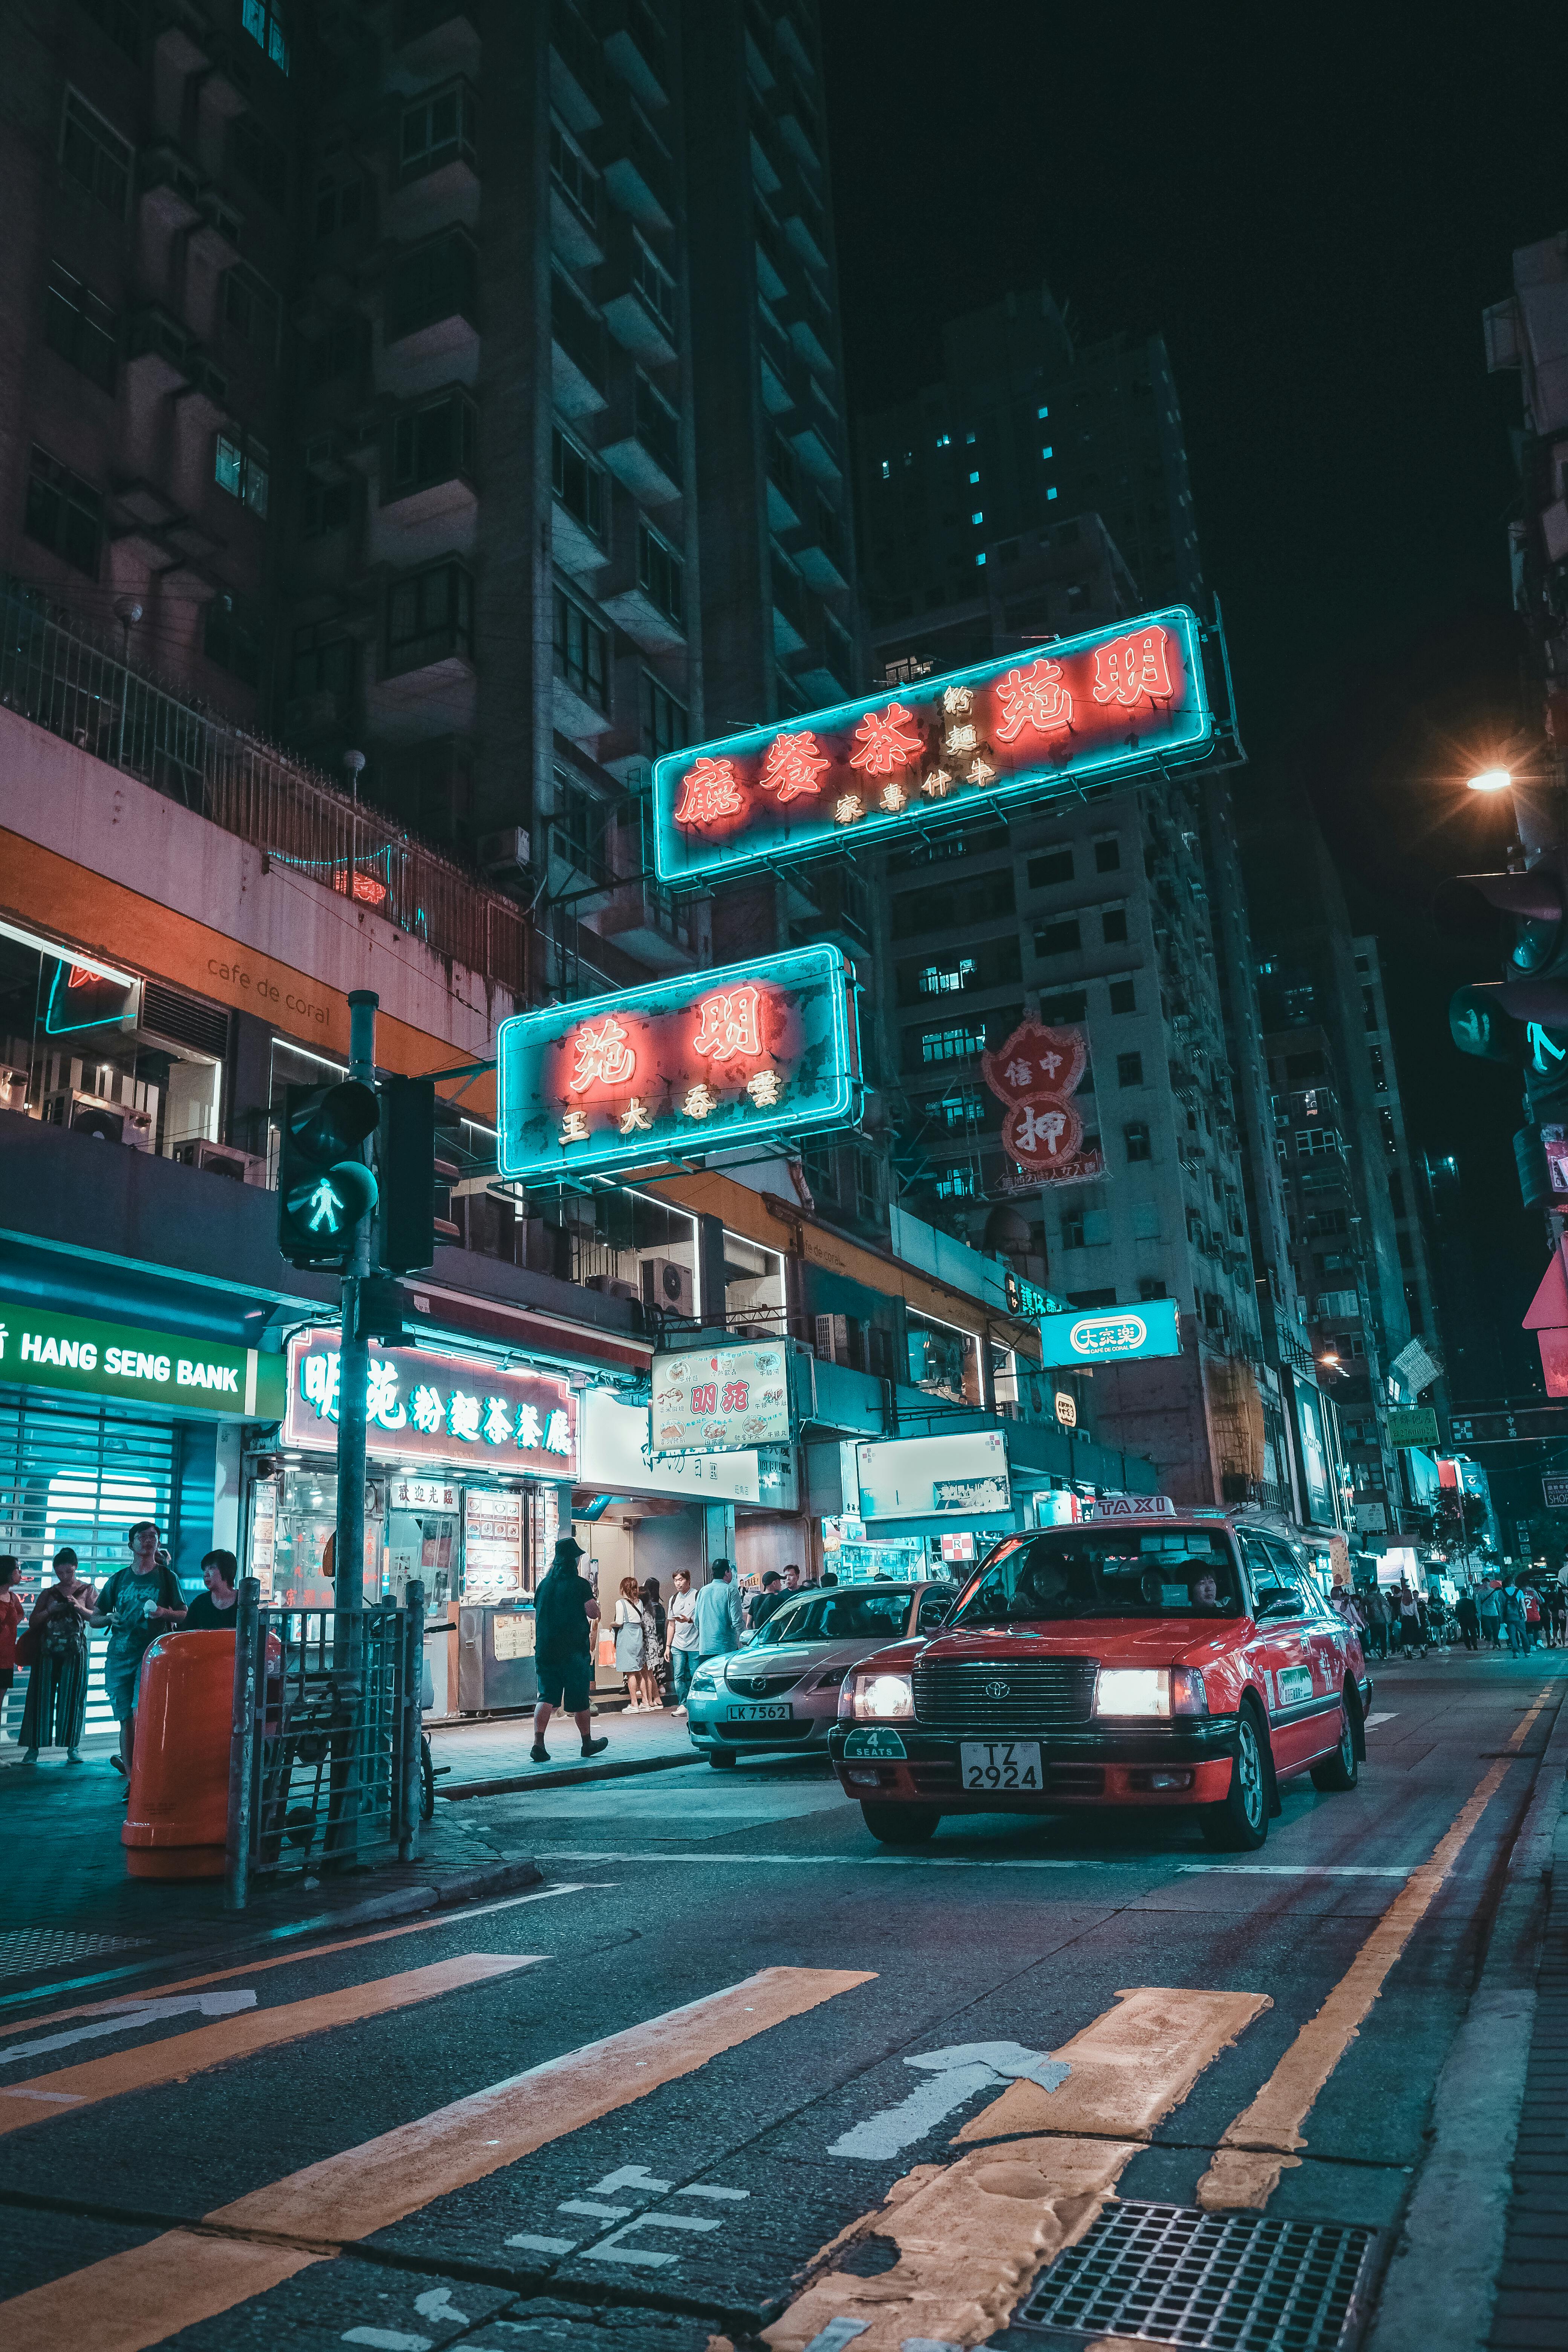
[1379, 1073]
[1150, 1287]
[664, 720]
[946, 979]
[83, 329]
[64, 513]
[865, 1185]
[1072, 1229]
[954, 1044]
[1052, 866]
[660, 574]
[1058, 938]
[263, 20]
[577, 829]
[1136, 1137]
[250, 306]
[437, 281]
[433, 443]
[574, 176]
[260, 158]
[582, 650]
[579, 483]
[335, 353]
[339, 203]
[1113, 925]
[657, 425]
[1130, 1069]
[820, 1168]
[960, 1106]
[1368, 1010]
[122, 20]
[441, 129]
[1055, 1010]
[1396, 1194]
[240, 468]
[319, 666]
[233, 639]
[1108, 853]
[957, 1183]
[653, 281]
[1314, 1139]
[1123, 996]
[93, 154]
[324, 507]
[430, 617]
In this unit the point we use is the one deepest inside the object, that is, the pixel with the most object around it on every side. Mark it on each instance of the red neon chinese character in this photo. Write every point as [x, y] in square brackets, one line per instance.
[1131, 669]
[601, 1053]
[711, 791]
[885, 741]
[1034, 698]
[794, 765]
[730, 1024]
[735, 1396]
[706, 1397]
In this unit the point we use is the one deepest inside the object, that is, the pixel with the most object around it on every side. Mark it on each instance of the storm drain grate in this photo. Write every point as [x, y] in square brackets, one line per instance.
[22, 1949]
[1237, 2282]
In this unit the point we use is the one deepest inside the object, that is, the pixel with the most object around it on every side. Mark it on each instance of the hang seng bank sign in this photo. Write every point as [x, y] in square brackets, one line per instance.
[1111, 704]
[422, 1406]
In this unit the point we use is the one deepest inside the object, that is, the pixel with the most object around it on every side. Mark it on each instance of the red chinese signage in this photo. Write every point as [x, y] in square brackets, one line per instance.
[1035, 1073]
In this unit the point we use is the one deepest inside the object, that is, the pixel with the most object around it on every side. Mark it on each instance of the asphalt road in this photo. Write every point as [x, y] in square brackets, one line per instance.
[735, 2073]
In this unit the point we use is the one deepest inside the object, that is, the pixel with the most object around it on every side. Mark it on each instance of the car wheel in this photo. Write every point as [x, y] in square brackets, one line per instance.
[900, 1824]
[1239, 1822]
[723, 1760]
[1340, 1769]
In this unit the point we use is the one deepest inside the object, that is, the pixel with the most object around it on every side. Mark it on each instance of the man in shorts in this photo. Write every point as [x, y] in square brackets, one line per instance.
[562, 1649]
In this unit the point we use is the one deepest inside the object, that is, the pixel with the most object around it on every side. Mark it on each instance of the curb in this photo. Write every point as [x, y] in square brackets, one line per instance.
[507, 1784]
[459, 1886]
[1441, 2285]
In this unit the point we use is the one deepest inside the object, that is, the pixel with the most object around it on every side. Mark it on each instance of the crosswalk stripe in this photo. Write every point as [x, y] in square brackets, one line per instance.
[133, 2300]
[972, 2234]
[180, 2054]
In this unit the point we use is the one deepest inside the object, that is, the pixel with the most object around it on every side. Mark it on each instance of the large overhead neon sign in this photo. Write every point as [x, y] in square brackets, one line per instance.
[1026, 726]
[710, 1061]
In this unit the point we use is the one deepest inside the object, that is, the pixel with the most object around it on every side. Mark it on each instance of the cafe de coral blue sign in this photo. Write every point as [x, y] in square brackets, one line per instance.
[1111, 1334]
[705, 1062]
[1046, 720]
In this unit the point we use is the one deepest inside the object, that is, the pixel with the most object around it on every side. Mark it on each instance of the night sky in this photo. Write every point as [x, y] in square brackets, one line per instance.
[1315, 220]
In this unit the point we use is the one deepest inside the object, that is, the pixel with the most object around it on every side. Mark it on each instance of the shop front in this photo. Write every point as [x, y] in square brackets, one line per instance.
[104, 1423]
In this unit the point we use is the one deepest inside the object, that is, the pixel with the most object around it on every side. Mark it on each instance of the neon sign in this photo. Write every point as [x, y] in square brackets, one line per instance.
[1113, 1335]
[701, 1063]
[437, 1408]
[1115, 702]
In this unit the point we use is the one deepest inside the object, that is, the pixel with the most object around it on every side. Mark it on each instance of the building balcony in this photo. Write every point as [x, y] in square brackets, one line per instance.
[184, 38]
[434, 39]
[637, 304]
[432, 300]
[635, 168]
[641, 444]
[785, 499]
[634, 47]
[577, 350]
[650, 923]
[428, 461]
[827, 675]
[576, 70]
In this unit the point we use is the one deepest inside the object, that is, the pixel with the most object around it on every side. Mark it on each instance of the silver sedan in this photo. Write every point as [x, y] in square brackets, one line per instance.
[780, 1692]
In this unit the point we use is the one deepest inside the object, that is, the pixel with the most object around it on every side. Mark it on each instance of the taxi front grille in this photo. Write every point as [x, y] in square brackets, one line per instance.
[1026, 1695]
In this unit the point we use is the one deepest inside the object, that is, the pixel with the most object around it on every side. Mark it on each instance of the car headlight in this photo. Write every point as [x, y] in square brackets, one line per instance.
[1156, 1691]
[877, 1698]
[706, 1678]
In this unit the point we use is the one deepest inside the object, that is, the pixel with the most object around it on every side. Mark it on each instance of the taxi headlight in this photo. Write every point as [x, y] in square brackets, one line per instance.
[1151, 1691]
[877, 1698]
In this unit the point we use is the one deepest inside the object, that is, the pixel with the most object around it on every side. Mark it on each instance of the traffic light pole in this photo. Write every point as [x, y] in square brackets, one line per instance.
[354, 1373]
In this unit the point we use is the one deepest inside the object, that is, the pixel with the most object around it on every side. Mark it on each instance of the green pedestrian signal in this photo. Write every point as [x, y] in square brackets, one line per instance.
[324, 1186]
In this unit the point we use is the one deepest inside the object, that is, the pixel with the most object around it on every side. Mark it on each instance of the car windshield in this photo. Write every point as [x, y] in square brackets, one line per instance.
[845, 1615]
[1092, 1572]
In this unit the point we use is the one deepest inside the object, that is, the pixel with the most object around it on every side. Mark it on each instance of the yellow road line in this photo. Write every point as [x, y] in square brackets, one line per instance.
[70, 2088]
[1258, 2145]
[972, 2235]
[133, 2300]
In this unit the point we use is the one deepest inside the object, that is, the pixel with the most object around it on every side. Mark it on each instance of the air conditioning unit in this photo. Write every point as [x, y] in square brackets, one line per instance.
[505, 852]
[12, 1089]
[668, 1284]
[106, 1122]
[610, 1286]
[222, 1159]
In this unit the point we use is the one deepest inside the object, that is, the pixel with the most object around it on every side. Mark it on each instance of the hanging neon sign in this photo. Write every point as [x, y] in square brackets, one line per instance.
[705, 1062]
[1025, 725]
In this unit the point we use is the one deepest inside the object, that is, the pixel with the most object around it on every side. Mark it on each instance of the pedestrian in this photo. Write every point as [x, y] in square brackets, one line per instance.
[137, 1603]
[792, 1576]
[657, 1612]
[766, 1601]
[563, 1606]
[681, 1638]
[1412, 1632]
[1489, 1610]
[56, 1707]
[11, 1615]
[633, 1645]
[720, 1624]
[1513, 1618]
[213, 1611]
[829, 1576]
[1532, 1617]
[1377, 1614]
[1469, 1621]
[1557, 1606]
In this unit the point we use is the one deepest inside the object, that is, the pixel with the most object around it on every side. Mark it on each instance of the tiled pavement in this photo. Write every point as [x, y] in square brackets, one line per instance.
[1530, 2313]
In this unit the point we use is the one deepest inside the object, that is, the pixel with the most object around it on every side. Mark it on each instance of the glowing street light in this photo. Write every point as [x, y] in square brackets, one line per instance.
[1490, 780]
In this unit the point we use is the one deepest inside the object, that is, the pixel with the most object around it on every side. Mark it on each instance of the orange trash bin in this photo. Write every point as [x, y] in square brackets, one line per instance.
[177, 1815]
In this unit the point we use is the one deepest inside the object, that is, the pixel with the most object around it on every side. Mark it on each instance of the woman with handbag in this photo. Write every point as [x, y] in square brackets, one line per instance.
[56, 1708]
[634, 1647]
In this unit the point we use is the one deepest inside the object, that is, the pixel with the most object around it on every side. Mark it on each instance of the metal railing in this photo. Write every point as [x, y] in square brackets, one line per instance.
[56, 672]
[324, 1749]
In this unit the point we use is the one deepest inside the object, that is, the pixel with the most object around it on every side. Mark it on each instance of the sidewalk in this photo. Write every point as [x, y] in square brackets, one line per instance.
[488, 1760]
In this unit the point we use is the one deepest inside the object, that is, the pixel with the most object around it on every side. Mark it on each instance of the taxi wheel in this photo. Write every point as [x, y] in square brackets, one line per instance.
[1239, 1822]
[723, 1760]
[900, 1824]
[1339, 1770]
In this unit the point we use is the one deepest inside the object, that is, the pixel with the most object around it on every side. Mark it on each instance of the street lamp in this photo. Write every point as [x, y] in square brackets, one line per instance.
[1490, 780]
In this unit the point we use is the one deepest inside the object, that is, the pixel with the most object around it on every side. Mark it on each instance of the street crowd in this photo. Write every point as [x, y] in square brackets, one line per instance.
[1504, 1612]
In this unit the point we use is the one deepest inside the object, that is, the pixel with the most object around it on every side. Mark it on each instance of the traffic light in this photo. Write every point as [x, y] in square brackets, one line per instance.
[324, 1187]
[418, 1166]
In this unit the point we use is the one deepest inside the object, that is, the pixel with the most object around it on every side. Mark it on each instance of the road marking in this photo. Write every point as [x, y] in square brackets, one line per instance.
[132, 2013]
[1012, 1862]
[954, 2077]
[454, 1918]
[133, 2300]
[1259, 2145]
[181, 2054]
[972, 2235]
[1373, 1721]
[1303, 1869]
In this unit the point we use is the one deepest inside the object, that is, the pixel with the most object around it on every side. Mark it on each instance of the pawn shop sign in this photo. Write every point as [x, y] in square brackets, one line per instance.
[1036, 1061]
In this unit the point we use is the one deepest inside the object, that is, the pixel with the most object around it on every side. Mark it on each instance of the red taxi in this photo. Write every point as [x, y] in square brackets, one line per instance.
[1167, 1661]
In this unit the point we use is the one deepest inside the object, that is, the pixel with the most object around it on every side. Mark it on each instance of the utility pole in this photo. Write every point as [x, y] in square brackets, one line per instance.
[353, 1375]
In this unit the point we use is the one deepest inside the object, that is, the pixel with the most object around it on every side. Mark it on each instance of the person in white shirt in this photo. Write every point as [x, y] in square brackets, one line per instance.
[681, 1638]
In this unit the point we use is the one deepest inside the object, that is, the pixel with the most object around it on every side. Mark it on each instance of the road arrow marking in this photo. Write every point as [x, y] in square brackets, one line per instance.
[957, 2075]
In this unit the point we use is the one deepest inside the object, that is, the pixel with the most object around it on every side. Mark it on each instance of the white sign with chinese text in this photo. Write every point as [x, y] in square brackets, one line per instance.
[931, 1477]
[720, 1399]
[618, 1459]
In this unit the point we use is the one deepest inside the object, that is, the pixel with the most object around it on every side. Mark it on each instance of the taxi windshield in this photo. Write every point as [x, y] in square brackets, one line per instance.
[1093, 1572]
[865, 1614]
